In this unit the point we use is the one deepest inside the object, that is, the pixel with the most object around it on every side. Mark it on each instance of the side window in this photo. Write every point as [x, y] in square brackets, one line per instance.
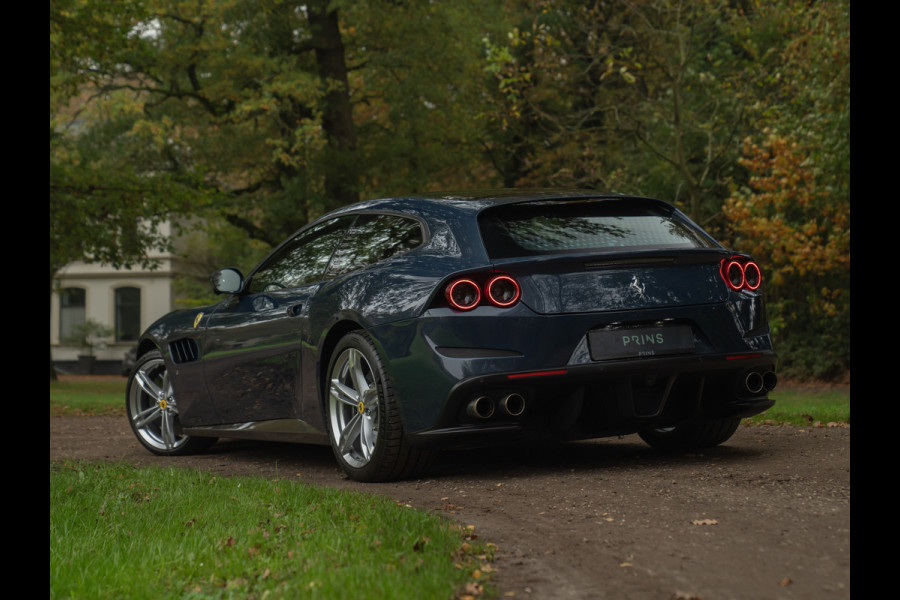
[128, 314]
[374, 238]
[303, 259]
[71, 312]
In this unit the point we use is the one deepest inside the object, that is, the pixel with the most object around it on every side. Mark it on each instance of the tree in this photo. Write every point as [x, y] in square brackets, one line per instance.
[554, 89]
[266, 99]
[688, 107]
[792, 205]
[419, 101]
[113, 179]
[637, 97]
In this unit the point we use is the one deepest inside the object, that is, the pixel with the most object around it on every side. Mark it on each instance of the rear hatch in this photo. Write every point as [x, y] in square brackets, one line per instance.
[607, 254]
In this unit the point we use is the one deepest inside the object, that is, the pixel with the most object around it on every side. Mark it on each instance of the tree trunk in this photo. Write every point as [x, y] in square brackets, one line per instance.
[341, 175]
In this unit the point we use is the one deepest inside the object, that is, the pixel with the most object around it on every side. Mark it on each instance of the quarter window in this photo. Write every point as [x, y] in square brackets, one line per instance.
[374, 238]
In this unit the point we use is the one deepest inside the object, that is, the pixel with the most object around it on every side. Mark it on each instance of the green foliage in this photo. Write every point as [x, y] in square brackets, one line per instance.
[418, 92]
[641, 98]
[264, 101]
[113, 178]
[790, 201]
[686, 108]
[117, 531]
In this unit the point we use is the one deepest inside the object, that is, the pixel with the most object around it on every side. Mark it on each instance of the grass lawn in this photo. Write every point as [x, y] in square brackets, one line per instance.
[87, 397]
[117, 531]
[802, 407]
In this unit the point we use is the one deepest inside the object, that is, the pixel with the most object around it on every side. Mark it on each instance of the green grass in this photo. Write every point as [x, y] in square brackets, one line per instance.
[87, 397]
[806, 408]
[121, 532]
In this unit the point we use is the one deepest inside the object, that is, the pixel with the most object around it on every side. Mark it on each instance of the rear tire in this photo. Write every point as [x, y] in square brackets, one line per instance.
[362, 417]
[691, 435]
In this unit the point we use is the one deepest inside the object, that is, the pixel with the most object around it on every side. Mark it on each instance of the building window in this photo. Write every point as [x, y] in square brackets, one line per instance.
[71, 312]
[128, 314]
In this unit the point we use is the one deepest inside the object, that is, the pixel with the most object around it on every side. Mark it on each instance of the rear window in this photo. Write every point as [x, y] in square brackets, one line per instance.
[561, 227]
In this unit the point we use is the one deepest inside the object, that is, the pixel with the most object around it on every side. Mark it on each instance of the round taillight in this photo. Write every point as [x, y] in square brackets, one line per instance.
[752, 276]
[502, 290]
[741, 273]
[463, 294]
[734, 275]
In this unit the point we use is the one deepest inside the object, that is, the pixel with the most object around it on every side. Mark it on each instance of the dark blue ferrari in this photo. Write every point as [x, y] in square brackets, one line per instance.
[395, 327]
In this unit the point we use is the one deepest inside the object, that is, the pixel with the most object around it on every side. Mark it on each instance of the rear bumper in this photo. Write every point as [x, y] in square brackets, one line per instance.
[603, 399]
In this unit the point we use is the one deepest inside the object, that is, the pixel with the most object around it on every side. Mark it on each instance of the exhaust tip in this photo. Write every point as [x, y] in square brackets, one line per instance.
[754, 382]
[480, 408]
[513, 404]
[770, 380]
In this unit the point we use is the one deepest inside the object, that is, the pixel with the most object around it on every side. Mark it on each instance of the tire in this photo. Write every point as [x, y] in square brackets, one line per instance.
[362, 418]
[691, 435]
[153, 412]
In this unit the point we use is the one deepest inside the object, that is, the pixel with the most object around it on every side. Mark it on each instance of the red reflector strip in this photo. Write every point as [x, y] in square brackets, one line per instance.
[742, 356]
[536, 374]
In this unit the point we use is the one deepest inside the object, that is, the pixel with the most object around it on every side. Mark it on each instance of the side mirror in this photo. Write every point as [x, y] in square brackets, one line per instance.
[227, 281]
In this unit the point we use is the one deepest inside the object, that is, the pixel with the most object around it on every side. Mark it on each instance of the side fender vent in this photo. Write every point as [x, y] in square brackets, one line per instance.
[184, 350]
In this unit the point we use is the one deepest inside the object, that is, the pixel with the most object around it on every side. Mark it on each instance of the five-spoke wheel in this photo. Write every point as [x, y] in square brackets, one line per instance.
[353, 407]
[153, 411]
[363, 420]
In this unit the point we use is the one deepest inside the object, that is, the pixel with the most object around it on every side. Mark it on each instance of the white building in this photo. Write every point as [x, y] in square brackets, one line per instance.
[124, 300]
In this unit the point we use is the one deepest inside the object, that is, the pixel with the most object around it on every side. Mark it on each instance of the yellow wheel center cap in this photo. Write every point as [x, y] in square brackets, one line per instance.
[163, 404]
[361, 407]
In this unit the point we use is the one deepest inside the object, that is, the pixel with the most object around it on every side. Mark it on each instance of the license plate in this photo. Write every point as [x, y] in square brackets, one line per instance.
[640, 341]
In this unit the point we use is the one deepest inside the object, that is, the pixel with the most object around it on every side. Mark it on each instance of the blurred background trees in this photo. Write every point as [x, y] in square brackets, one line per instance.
[252, 117]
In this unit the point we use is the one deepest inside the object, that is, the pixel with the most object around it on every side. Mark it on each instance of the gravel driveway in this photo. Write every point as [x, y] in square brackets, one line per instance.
[765, 516]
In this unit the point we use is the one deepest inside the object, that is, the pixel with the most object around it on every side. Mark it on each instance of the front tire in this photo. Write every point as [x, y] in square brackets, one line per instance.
[153, 412]
[691, 435]
[362, 417]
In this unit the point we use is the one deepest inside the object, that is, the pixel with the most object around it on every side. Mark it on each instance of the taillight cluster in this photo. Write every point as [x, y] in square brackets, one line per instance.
[498, 289]
[740, 273]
